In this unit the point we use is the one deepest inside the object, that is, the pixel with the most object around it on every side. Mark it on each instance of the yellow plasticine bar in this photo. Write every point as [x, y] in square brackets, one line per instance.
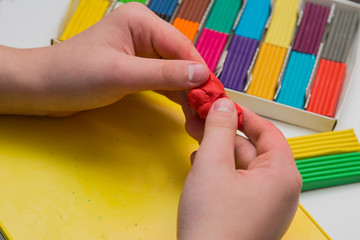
[322, 144]
[69, 26]
[86, 14]
[266, 71]
[283, 23]
[186, 27]
[95, 13]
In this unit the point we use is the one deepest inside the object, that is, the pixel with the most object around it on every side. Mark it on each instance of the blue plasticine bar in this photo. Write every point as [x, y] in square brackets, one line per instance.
[163, 8]
[296, 79]
[253, 19]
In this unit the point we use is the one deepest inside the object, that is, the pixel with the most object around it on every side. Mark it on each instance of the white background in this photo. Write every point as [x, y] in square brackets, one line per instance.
[32, 23]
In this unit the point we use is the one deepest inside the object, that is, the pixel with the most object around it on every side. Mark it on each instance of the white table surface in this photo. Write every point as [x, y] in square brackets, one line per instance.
[28, 24]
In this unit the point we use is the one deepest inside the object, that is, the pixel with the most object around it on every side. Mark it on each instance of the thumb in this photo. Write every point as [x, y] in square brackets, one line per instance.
[218, 143]
[161, 74]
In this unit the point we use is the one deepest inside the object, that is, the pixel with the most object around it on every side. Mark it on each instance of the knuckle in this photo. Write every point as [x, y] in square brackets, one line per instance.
[222, 120]
[168, 74]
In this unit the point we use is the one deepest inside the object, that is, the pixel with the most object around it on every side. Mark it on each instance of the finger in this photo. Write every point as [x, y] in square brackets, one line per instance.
[217, 146]
[138, 74]
[153, 36]
[245, 152]
[192, 157]
[263, 134]
[194, 126]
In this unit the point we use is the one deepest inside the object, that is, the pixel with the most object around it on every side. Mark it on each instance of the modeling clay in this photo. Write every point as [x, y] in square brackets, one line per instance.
[203, 97]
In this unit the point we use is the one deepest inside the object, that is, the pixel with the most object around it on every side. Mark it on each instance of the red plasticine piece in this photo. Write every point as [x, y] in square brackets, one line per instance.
[201, 98]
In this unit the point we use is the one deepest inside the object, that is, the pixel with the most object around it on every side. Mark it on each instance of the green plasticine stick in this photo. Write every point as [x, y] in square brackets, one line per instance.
[126, 1]
[328, 181]
[330, 172]
[327, 160]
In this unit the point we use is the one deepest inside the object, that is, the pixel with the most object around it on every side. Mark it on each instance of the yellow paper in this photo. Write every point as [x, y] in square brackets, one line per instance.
[111, 173]
[305, 227]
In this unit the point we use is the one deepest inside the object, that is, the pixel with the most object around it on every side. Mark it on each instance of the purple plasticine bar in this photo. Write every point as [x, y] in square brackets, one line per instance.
[312, 28]
[237, 63]
[210, 45]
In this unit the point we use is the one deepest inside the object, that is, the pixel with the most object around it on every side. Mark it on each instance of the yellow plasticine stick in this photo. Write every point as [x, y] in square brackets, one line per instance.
[86, 14]
[266, 71]
[283, 23]
[70, 24]
[322, 144]
[76, 27]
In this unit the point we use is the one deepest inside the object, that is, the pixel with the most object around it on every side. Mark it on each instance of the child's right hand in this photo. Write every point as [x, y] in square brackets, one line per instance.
[239, 188]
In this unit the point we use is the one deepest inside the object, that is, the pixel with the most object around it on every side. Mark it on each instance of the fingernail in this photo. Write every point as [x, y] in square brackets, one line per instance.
[197, 73]
[224, 105]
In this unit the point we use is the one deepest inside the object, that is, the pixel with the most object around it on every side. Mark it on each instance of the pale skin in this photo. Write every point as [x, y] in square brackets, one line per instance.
[237, 188]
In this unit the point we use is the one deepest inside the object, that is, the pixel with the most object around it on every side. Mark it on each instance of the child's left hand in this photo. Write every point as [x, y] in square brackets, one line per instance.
[130, 50]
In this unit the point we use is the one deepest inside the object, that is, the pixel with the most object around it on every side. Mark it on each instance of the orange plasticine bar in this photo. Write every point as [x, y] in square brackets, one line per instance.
[186, 27]
[267, 71]
[327, 86]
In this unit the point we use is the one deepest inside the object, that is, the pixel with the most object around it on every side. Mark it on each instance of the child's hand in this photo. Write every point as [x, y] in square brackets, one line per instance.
[239, 188]
[128, 51]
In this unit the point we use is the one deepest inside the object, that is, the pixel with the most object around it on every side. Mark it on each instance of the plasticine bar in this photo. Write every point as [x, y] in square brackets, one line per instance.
[323, 144]
[341, 35]
[222, 15]
[237, 63]
[330, 170]
[296, 79]
[126, 1]
[266, 71]
[283, 23]
[311, 29]
[186, 27]
[163, 8]
[327, 87]
[253, 19]
[217, 28]
[210, 45]
[121, 2]
[87, 13]
[189, 17]
[193, 10]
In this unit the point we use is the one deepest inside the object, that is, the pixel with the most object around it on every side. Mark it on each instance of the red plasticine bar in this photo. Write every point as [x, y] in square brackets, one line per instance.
[327, 86]
[203, 97]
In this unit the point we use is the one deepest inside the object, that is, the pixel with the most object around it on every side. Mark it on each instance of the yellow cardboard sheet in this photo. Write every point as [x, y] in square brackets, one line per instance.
[111, 173]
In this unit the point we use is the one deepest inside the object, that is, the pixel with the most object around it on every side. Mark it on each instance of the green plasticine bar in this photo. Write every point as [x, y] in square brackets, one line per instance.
[329, 172]
[342, 166]
[126, 1]
[333, 161]
[222, 15]
[351, 156]
[328, 181]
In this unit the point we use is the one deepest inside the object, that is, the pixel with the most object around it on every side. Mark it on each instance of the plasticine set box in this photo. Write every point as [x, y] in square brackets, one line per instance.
[303, 81]
[289, 60]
